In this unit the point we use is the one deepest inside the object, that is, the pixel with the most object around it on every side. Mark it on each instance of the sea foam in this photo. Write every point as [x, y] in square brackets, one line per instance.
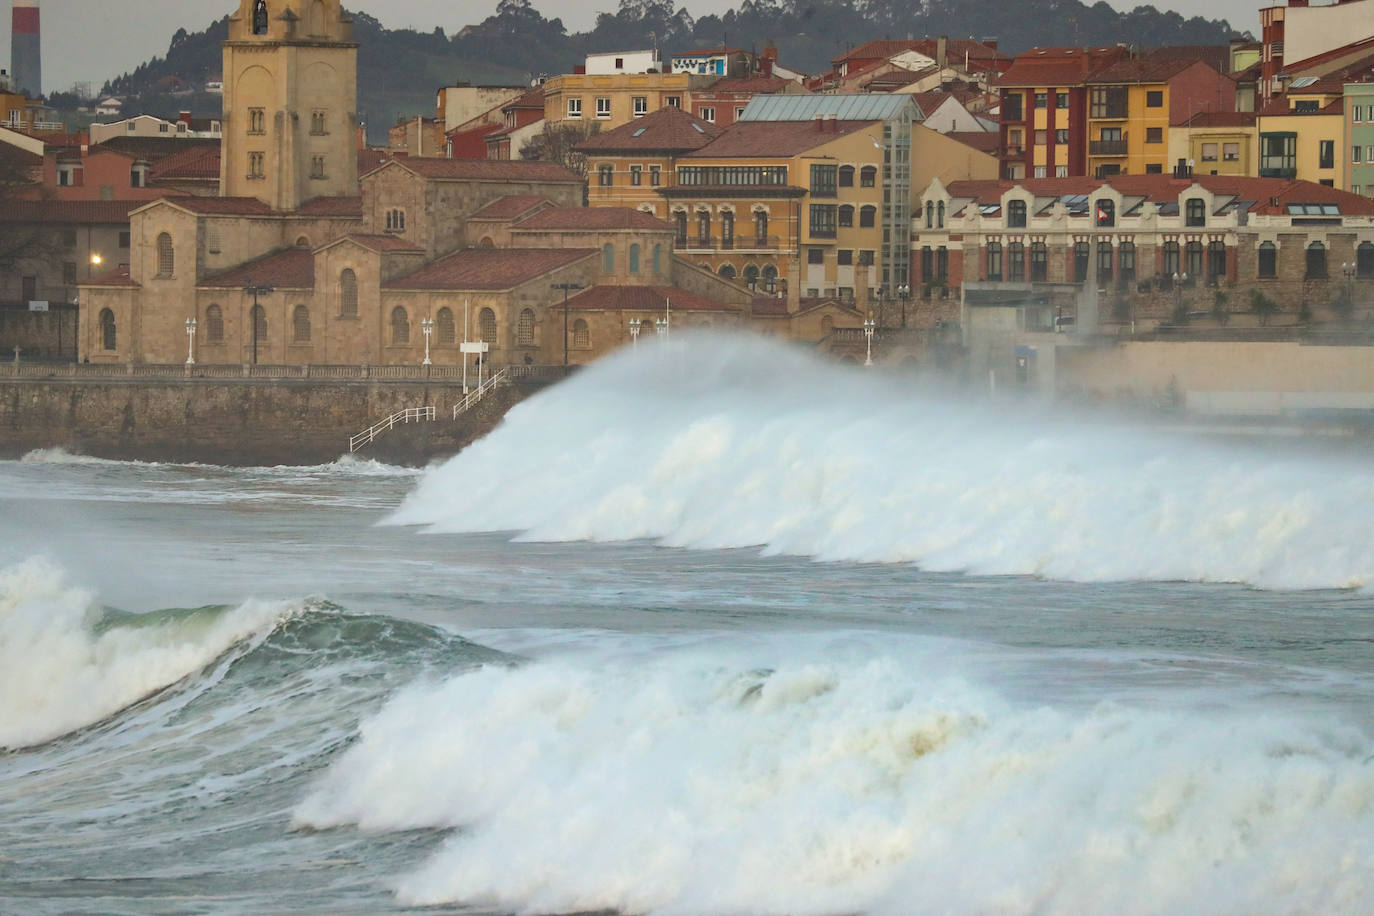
[63, 666]
[731, 442]
[698, 784]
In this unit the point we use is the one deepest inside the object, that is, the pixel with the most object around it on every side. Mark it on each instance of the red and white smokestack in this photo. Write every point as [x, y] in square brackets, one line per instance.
[26, 50]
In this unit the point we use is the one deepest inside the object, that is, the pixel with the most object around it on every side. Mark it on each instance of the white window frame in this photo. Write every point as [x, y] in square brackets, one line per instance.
[603, 107]
[641, 105]
[574, 108]
[707, 113]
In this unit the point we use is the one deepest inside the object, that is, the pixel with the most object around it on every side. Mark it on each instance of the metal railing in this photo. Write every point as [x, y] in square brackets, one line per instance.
[31, 369]
[1107, 147]
[409, 415]
[500, 378]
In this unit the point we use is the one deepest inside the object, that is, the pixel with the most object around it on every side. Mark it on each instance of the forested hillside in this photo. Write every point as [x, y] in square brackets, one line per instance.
[400, 69]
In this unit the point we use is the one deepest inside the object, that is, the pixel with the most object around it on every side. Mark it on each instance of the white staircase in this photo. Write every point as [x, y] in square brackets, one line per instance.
[463, 406]
[409, 415]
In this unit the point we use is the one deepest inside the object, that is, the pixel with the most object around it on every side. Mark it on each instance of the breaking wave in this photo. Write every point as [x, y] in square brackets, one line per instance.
[732, 442]
[66, 663]
[702, 784]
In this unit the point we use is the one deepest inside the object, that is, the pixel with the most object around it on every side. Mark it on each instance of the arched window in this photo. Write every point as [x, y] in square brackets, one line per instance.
[751, 276]
[260, 17]
[1364, 260]
[1193, 261]
[400, 326]
[868, 217]
[1268, 260]
[1016, 214]
[846, 215]
[634, 259]
[868, 177]
[396, 220]
[348, 294]
[1196, 212]
[524, 328]
[940, 215]
[761, 228]
[1039, 258]
[846, 176]
[704, 228]
[994, 251]
[486, 326]
[608, 258]
[727, 229]
[214, 325]
[770, 278]
[317, 18]
[1170, 258]
[930, 214]
[107, 329]
[166, 256]
[680, 223]
[727, 271]
[302, 242]
[658, 259]
[259, 318]
[1016, 262]
[444, 326]
[582, 335]
[1316, 261]
[1216, 259]
[300, 325]
[486, 242]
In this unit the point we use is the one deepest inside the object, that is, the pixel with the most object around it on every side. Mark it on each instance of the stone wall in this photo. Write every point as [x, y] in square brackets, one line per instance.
[248, 422]
[39, 335]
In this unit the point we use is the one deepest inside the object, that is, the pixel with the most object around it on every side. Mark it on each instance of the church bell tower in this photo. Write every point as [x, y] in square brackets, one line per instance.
[290, 103]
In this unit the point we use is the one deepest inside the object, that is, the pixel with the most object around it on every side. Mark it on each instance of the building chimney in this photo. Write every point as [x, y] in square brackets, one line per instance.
[861, 291]
[820, 122]
[770, 57]
[185, 118]
[26, 49]
[942, 51]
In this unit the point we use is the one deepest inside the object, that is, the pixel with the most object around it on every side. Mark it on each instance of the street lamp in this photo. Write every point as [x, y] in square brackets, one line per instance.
[427, 326]
[96, 261]
[634, 333]
[869, 327]
[254, 290]
[904, 293]
[1179, 280]
[190, 341]
[566, 288]
[661, 328]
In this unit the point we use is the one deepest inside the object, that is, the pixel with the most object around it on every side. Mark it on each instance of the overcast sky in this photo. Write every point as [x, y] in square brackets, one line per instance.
[94, 40]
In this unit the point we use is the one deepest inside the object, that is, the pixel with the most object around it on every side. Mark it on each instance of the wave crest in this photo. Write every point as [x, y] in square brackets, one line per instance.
[739, 443]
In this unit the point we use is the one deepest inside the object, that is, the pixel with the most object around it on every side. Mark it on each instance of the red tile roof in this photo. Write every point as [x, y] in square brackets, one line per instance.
[532, 99]
[224, 206]
[758, 85]
[644, 298]
[472, 143]
[985, 141]
[117, 277]
[592, 218]
[1220, 119]
[1218, 57]
[383, 242]
[956, 47]
[69, 211]
[1144, 70]
[511, 207]
[488, 170]
[775, 138]
[291, 268]
[371, 157]
[489, 268]
[1059, 67]
[332, 206]
[668, 129]
[198, 162]
[1279, 108]
[769, 306]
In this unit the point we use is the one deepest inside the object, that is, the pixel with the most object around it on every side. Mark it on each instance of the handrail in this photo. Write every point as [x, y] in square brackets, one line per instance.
[500, 378]
[365, 437]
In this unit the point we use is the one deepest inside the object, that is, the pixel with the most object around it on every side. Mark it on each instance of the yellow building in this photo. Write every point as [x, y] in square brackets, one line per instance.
[628, 165]
[1133, 103]
[1217, 143]
[613, 99]
[1302, 134]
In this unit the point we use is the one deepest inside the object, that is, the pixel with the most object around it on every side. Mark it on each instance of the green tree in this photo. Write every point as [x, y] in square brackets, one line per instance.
[1263, 307]
[20, 242]
[1344, 306]
[1220, 314]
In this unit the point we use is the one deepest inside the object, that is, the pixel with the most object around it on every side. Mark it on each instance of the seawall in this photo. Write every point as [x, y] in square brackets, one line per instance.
[245, 422]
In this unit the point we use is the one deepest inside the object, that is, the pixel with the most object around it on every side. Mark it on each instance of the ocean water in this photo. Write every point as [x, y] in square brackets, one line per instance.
[718, 629]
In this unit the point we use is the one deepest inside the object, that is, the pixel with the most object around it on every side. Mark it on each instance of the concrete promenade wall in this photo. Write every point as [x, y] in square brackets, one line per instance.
[248, 422]
[1226, 377]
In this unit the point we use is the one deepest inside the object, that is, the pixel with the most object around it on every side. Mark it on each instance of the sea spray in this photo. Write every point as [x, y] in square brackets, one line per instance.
[65, 664]
[734, 442]
[720, 782]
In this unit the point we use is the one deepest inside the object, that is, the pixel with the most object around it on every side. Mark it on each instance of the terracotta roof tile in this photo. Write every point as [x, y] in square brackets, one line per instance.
[1058, 67]
[668, 128]
[1221, 119]
[198, 162]
[532, 99]
[383, 242]
[224, 206]
[488, 170]
[370, 157]
[291, 268]
[592, 218]
[775, 138]
[769, 306]
[511, 207]
[644, 298]
[117, 277]
[332, 206]
[69, 211]
[986, 141]
[489, 268]
[1144, 70]
[755, 84]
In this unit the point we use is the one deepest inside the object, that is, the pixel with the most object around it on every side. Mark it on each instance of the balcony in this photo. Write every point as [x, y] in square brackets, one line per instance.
[741, 243]
[1278, 169]
[1106, 147]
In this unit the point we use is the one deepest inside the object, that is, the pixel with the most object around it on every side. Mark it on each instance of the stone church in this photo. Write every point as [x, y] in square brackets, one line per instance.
[300, 261]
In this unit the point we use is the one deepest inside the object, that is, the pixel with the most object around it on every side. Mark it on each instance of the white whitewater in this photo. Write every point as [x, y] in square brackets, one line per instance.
[60, 672]
[734, 442]
[836, 784]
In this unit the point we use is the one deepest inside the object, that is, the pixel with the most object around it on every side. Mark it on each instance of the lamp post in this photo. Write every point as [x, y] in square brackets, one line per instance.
[904, 293]
[427, 326]
[661, 328]
[869, 327]
[190, 341]
[96, 261]
[255, 290]
[566, 288]
[634, 334]
[1348, 270]
[1179, 280]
